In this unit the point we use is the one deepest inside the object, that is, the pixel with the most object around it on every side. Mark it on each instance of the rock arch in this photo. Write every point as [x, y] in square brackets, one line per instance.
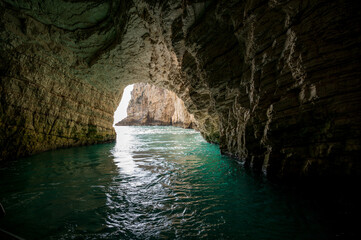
[275, 83]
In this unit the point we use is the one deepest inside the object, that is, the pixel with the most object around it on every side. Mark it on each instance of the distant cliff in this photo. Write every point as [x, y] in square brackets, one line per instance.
[153, 106]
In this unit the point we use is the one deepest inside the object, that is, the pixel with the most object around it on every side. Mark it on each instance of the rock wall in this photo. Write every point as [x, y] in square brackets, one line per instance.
[153, 106]
[275, 83]
[43, 105]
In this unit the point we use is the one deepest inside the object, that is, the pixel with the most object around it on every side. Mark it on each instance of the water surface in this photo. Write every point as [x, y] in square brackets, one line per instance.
[154, 183]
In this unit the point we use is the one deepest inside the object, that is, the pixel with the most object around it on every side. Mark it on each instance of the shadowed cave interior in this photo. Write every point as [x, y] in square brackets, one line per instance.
[275, 84]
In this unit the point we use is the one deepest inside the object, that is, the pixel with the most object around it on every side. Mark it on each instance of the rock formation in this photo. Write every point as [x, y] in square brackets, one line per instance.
[275, 83]
[153, 106]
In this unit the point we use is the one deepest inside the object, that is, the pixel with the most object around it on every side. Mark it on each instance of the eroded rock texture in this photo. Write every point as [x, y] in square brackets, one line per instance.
[275, 83]
[153, 106]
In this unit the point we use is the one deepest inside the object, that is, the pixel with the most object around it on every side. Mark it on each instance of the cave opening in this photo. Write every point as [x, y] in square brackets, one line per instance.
[145, 104]
[121, 111]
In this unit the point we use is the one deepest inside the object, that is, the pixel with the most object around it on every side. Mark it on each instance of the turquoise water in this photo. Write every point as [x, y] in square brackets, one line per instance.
[154, 183]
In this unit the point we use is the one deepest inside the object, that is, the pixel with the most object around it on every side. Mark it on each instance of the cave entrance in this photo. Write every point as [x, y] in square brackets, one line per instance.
[144, 104]
[121, 111]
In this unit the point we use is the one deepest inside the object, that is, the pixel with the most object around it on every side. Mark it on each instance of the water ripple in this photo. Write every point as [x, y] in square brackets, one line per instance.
[154, 183]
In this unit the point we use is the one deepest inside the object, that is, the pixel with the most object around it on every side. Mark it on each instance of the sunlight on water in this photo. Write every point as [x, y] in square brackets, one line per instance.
[153, 183]
[122, 150]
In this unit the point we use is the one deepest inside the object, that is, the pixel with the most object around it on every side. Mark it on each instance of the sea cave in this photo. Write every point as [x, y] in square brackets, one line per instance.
[271, 87]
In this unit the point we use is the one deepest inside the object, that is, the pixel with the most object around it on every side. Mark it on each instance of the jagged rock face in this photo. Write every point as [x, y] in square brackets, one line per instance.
[153, 106]
[275, 83]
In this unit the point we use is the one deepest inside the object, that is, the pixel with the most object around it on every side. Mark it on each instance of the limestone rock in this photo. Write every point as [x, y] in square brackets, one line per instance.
[153, 106]
[275, 83]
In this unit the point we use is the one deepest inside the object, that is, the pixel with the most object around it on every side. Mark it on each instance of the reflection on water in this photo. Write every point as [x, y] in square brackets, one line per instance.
[121, 152]
[154, 183]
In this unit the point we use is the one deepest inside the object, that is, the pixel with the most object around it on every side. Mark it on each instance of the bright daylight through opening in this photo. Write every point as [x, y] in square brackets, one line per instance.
[121, 111]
